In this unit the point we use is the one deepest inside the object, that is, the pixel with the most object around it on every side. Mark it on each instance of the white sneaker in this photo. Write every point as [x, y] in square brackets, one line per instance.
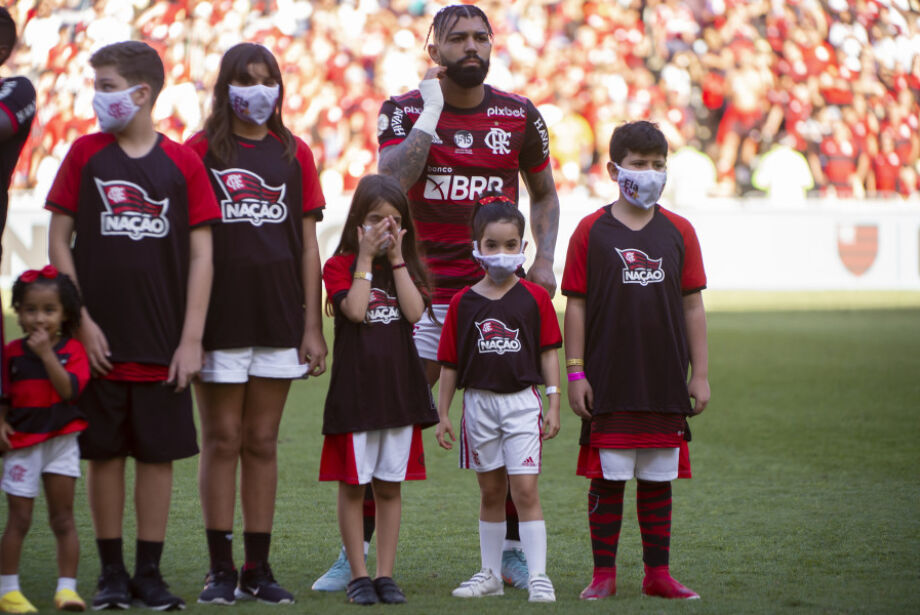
[483, 583]
[541, 589]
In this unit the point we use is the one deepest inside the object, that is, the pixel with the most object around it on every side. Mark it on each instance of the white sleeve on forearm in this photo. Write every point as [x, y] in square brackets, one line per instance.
[433, 99]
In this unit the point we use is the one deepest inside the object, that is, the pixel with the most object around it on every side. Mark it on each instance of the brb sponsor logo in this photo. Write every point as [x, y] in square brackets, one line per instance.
[495, 336]
[249, 198]
[130, 212]
[639, 268]
[381, 308]
[506, 112]
[460, 187]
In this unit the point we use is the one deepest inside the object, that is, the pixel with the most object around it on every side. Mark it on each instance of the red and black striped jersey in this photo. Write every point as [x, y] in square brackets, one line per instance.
[495, 344]
[133, 218]
[257, 297]
[476, 150]
[37, 411]
[636, 350]
[17, 102]
[377, 380]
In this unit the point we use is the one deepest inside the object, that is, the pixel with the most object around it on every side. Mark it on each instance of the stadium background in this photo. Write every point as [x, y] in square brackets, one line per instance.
[805, 492]
[797, 119]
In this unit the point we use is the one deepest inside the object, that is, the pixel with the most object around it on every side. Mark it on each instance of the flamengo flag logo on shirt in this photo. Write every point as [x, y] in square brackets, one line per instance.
[639, 268]
[495, 336]
[249, 198]
[129, 211]
[381, 308]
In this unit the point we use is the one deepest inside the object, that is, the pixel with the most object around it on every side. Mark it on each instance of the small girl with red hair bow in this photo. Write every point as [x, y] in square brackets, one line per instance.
[43, 373]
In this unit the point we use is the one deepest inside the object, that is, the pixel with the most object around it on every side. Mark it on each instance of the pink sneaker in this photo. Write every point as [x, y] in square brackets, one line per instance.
[659, 582]
[603, 585]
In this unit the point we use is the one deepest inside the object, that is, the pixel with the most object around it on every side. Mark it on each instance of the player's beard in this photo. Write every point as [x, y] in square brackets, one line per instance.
[468, 76]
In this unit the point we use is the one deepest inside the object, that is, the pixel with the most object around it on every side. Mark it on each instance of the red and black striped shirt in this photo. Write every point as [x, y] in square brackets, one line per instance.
[38, 412]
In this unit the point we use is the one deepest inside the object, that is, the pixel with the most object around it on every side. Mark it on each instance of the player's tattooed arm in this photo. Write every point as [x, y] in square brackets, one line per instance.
[406, 161]
[544, 224]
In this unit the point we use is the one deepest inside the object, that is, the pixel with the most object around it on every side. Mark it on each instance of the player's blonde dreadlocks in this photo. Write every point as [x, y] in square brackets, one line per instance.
[445, 19]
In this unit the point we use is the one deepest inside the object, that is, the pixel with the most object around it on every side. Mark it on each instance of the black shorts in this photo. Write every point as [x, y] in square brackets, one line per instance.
[145, 420]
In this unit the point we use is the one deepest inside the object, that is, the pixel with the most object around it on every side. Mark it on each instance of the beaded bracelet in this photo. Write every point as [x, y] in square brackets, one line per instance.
[574, 362]
[576, 376]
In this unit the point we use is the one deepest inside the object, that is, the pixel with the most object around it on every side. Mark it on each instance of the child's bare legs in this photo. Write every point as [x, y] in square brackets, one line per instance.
[351, 525]
[220, 407]
[389, 511]
[105, 486]
[19, 518]
[59, 490]
[152, 492]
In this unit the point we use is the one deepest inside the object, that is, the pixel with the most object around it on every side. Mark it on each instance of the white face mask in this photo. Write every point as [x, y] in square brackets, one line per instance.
[254, 103]
[386, 245]
[114, 109]
[641, 188]
[499, 266]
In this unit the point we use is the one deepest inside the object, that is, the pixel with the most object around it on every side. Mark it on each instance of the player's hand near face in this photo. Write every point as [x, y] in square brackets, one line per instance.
[39, 341]
[581, 398]
[373, 242]
[394, 252]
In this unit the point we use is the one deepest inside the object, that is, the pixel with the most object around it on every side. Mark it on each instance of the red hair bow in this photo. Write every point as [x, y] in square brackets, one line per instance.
[48, 271]
[501, 198]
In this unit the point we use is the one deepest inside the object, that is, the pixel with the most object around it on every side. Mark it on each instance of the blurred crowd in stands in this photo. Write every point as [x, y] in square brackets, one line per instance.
[755, 96]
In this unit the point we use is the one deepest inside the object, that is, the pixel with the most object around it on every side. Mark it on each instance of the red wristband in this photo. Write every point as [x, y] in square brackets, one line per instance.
[576, 376]
[399, 266]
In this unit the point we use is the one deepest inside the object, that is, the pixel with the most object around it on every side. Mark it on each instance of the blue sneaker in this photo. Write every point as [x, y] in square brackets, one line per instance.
[514, 568]
[337, 577]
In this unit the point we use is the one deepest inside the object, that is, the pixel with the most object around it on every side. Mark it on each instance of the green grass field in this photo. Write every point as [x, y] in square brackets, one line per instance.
[806, 496]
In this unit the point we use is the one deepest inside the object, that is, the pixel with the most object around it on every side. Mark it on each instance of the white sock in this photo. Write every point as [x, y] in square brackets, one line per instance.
[533, 538]
[66, 583]
[508, 545]
[367, 547]
[490, 545]
[9, 583]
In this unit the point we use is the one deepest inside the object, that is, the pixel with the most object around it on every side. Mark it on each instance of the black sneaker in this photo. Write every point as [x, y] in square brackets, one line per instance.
[258, 583]
[388, 591]
[361, 591]
[219, 587]
[112, 592]
[150, 590]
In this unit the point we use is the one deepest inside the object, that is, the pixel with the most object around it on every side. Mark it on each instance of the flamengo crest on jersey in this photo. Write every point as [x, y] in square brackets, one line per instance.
[130, 211]
[381, 308]
[639, 268]
[495, 336]
[249, 198]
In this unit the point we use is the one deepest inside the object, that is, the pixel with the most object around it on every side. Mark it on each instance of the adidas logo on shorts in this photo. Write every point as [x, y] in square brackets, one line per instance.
[529, 463]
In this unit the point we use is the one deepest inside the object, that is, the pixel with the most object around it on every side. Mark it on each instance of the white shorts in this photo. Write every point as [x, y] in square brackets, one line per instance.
[427, 333]
[502, 429]
[238, 364]
[393, 455]
[23, 467]
[651, 464]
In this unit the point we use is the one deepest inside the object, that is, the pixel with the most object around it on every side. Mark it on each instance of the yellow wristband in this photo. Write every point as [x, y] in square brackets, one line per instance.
[363, 275]
[574, 362]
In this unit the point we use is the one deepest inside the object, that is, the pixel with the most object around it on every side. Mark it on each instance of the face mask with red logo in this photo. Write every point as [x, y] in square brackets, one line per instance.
[115, 110]
[641, 188]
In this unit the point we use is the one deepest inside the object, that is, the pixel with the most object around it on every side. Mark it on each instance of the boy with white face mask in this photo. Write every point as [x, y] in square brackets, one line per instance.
[141, 207]
[634, 326]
